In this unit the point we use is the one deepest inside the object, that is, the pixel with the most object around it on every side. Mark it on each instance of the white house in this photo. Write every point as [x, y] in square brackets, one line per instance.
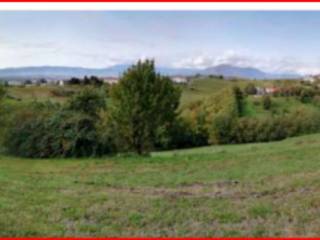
[179, 79]
[61, 83]
[309, 78]
[110, 80]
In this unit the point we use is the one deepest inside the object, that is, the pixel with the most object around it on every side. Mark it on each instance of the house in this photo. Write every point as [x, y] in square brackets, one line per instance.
[271, 90]
[110, 80]
[179, 79]
[61, 83]
[266, 90]
[260, 91]
[15, 83]
[311, 79]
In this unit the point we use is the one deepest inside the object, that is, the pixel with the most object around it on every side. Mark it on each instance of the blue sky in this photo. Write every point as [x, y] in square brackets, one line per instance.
[272, 41]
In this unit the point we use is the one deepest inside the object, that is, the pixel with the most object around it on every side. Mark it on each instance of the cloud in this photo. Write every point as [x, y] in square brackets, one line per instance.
[205, 60]
[231, 57]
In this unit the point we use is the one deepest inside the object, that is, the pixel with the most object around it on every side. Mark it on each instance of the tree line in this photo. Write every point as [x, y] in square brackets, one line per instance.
[140, 114]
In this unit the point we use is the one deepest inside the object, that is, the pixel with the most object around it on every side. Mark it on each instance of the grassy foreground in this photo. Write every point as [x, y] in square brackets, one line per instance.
[270, 189]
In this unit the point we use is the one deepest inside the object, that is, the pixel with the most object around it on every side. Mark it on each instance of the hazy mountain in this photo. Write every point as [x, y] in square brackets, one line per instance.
[52, 72]
[233, 71]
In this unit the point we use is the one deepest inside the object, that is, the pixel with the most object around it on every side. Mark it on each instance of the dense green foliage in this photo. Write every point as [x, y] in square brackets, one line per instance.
[250, 89]
[48, 130]
[63, 134]
[222, 118]
[144, 103]
[142, 113]
[266, 101]
[89, 101]
[2, 91]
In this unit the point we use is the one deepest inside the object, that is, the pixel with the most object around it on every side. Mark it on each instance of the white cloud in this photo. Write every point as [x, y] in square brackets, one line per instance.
[205, 60]
[276, 65]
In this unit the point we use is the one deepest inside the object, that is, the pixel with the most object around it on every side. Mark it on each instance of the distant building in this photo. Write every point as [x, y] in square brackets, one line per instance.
[179, 79]
[271, 90]
[311, 79]
[15, 83]
[61, 83]
[260, 91]
[266, 90]
[110, 80]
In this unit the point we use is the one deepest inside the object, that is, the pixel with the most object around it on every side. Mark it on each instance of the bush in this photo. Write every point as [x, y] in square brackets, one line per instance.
[266, 129]
[221, 131]
[62, 134]
[306, 95]
[213, 119]
[89, 101]
[3, 91]
[238, 96]
[48, 130]
[181, 134]
[266, 102]
[250, 89]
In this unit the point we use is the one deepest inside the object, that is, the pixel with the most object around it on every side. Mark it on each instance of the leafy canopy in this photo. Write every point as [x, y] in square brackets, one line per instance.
[144, 102]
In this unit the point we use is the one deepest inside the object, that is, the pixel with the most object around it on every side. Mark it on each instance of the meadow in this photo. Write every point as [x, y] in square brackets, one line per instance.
[265, 189]
[256, 189]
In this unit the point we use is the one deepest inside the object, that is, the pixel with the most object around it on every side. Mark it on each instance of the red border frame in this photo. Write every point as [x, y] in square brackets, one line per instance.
[158, 1]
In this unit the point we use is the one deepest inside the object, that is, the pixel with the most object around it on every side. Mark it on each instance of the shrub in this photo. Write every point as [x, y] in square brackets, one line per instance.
[266, 129]
[89, 101]
[238, 95]
[221, 131]
[250, 89]
[62, 134]
[266, 102]
[212, 120]
[2, 91]
[48, 130]
[306, 95]
[181, 134]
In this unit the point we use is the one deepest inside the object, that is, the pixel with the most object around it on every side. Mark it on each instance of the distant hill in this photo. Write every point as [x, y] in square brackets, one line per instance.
[53, 72]
[245, 72]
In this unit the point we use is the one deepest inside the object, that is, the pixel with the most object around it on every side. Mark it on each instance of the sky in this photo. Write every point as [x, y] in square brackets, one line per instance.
[281, 41]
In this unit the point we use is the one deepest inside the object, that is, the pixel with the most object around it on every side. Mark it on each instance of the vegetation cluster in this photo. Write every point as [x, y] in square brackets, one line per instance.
[143, 113]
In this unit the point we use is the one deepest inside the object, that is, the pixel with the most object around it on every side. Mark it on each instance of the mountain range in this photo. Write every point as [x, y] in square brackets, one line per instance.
[54, 72]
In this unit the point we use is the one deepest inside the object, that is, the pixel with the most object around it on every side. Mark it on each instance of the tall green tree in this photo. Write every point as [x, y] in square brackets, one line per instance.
[143, 102]
[2, 95]
[2, 91]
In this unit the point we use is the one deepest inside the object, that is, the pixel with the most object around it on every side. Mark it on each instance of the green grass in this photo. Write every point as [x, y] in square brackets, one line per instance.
[266, 189]
[253, 106]
[40, 93]
[201, 88]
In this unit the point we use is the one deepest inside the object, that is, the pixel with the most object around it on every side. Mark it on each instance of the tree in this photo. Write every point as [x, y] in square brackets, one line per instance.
[239, 99]
[2, 92]
[75, 81]
[266, 101]
[250, 89]
[306, 95]
[143, 102]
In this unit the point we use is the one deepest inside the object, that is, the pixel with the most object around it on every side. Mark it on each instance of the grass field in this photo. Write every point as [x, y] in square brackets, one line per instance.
[253, 106]
[269, 189]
